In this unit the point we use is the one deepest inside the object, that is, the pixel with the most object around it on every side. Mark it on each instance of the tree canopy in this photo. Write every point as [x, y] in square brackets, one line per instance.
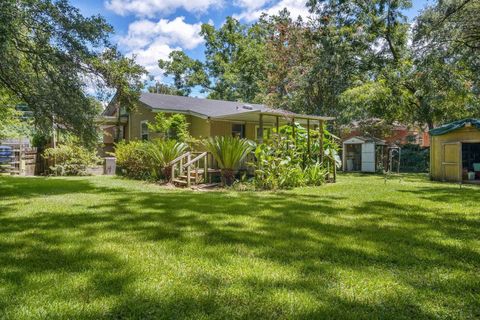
[350, 59]
[51, 55]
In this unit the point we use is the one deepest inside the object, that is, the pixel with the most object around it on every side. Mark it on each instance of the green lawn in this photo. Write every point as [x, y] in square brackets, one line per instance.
[101, 247]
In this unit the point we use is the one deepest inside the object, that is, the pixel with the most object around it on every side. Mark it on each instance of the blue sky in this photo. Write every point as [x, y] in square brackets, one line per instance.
[151, 29]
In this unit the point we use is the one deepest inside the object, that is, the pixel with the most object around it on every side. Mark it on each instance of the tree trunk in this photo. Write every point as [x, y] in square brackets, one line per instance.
[228, 176]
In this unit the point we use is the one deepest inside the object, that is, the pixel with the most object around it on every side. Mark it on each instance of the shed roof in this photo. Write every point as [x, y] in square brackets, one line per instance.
[449, 127]
[365, 140]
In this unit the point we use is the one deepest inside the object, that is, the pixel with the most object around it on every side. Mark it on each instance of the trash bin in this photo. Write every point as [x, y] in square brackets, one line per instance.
[109, 166]
[5, 154]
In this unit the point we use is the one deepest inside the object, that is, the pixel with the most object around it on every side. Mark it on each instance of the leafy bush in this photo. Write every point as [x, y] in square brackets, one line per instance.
[229, 152]
[414, 158]
[174, 127]
[132, 160]
[71, 159]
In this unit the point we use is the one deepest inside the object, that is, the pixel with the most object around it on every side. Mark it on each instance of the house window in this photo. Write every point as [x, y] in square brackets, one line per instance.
[267, 132]
[238, 130]
[144, 130]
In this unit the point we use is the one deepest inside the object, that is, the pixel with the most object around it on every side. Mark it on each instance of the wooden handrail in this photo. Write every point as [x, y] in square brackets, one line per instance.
[197, 158]
[174, 161]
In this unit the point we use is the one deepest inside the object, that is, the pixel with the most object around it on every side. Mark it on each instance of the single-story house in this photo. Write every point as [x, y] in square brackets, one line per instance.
[206, 118]
[455, 151]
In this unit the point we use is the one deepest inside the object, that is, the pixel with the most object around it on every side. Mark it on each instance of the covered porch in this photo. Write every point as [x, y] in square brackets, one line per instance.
[267, 123]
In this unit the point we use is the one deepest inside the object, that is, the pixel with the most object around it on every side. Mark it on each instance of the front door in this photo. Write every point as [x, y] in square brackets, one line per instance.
[451, 161]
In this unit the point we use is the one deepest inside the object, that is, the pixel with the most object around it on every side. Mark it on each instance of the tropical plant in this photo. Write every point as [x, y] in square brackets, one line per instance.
[315, 174]
[160, 153]
[229, 152]
[278, 165]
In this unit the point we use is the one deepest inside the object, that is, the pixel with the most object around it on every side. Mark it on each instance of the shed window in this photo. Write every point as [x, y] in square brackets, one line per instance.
[238, 130]
[144, 130]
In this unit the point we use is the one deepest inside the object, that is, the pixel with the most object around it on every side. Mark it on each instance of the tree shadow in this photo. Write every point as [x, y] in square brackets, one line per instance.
[320, 241]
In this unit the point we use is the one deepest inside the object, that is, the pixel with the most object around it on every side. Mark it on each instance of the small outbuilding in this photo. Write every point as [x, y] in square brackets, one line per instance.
[361, 154]
[455, 151]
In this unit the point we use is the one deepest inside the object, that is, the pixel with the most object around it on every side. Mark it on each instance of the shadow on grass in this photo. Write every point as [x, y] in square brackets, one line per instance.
[318, 236]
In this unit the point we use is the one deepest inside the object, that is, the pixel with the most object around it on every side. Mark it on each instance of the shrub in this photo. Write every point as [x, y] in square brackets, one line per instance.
[159, 154]
[71, 159]
[132, 160]
[173, 127]
[229, 152]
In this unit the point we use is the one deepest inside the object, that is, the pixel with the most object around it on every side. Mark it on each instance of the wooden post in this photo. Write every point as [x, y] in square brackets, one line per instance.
[294, 134]
[277, 124]
[260, 138]
[308, 140]
[320, 137]
[188, 171]
[205, 168]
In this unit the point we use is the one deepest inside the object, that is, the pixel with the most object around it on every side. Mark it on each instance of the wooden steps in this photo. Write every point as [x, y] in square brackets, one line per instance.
[192, 170]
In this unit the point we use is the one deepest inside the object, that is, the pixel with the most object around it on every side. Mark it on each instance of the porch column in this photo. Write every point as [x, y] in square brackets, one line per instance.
[308, 139]
[260, 137]
[320, 137]
[294, 134]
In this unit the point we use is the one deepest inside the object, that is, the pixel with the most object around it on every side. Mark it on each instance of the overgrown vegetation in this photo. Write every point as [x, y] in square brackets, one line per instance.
[281, 164]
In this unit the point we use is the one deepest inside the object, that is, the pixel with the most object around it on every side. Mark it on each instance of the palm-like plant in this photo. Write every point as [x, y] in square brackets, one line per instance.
[161, 152]
[229, 152]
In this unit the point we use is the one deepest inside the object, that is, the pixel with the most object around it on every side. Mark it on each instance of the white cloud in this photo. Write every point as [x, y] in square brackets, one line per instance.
[171, 32]
[149, 8]
[150, 41]
[149, 56]
[296, 8]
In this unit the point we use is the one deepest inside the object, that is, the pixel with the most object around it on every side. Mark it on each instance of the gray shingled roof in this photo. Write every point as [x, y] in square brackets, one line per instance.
[208, 107]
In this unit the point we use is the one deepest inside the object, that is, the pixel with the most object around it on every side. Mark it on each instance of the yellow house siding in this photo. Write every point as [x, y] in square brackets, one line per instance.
[220, 128]
[134, 122]
[250, 131]
[451, 152]
[198, 127]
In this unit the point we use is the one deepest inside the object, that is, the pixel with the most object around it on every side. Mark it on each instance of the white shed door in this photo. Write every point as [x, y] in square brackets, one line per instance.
[368, 157]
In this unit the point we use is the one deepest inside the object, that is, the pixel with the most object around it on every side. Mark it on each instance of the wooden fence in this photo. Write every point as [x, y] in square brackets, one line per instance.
[23, 161]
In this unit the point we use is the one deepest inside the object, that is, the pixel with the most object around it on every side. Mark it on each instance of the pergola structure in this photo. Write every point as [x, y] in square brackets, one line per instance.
[276, 118]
